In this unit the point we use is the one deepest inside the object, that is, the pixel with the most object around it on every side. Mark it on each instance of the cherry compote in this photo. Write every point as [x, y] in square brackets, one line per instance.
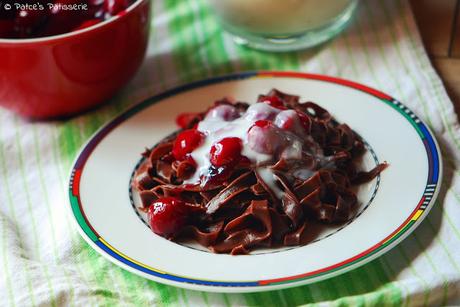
[40, 18]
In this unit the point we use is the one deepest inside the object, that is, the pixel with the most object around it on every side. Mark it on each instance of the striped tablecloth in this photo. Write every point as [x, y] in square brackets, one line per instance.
[43, 260]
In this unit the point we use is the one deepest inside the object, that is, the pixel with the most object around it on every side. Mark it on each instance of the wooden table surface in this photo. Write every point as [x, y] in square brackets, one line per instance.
[439, 24]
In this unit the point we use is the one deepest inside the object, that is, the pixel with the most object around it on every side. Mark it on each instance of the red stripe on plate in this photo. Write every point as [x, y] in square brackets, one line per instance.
[352, 84]
[369, 250]
[76, 183]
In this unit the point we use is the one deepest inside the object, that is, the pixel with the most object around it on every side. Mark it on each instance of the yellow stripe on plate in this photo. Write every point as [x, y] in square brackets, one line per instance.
[128, 258]
[417, 215]
[261, 76]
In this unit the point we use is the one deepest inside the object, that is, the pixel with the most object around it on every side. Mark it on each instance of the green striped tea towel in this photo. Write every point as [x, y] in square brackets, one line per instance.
[43, 260]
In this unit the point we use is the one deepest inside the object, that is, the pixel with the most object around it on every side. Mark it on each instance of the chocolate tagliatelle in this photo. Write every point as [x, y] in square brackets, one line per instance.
[239, 176]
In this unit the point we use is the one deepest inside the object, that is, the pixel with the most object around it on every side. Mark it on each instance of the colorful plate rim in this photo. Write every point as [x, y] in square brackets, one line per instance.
[411, 222]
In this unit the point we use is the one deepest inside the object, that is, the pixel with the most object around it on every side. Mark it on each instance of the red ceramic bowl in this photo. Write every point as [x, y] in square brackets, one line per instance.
[65, 74]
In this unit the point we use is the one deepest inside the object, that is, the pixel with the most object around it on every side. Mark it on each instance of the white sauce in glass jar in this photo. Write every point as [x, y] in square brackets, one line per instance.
[279, 17]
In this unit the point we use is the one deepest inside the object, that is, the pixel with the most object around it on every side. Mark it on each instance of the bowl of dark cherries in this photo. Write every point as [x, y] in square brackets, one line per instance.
[62, 57]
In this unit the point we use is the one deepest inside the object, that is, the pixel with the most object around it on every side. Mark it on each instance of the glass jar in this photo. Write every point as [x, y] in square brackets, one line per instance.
[283, 25]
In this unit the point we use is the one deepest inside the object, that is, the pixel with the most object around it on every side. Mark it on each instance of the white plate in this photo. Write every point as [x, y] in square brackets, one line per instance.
[100, 196]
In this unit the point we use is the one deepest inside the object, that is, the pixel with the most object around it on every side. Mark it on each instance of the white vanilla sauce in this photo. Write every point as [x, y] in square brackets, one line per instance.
[215, 128]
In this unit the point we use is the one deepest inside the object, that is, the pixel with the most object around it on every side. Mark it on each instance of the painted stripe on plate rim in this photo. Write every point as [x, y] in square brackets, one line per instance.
[422, 130]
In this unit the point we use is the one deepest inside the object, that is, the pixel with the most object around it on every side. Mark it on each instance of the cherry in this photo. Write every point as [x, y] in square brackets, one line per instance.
[184, 120]
[186, 142]
[261, 111]
[87, 24]
[227, 151]
[224, 111]
[167, 215]
[264, 137]
[263, 123]
[289, 120]
[114, 7]
[274, 101]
